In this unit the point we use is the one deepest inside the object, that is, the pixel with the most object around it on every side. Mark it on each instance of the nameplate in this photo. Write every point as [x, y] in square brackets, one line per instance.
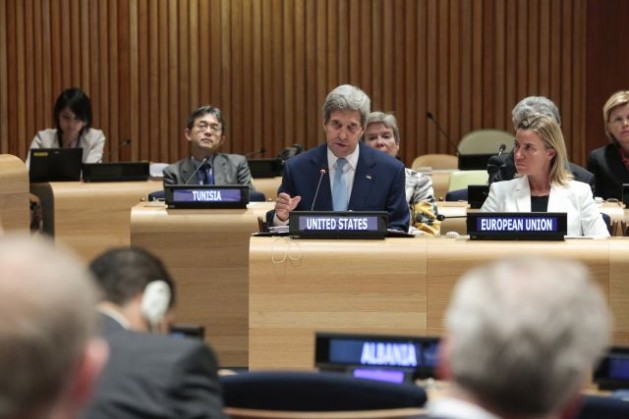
[116, 172]
[206, 196]
[338, 225]
[377, 356]
[517, 225]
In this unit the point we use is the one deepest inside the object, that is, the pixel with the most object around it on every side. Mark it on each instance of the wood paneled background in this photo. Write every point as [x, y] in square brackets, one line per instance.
[269, 64]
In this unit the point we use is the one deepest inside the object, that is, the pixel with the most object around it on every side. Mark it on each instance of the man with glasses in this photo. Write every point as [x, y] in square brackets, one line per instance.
[206, 166]
[344, 174]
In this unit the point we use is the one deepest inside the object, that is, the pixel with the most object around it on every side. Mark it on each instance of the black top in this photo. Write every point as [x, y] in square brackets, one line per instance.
[610, 171]
[539, 203]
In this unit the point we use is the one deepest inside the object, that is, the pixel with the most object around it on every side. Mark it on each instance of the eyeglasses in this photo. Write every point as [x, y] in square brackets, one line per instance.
[204, 126]
[352, 127]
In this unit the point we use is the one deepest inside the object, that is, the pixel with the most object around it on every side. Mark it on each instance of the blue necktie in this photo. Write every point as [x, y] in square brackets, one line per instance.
[209, 175]
[339, 189]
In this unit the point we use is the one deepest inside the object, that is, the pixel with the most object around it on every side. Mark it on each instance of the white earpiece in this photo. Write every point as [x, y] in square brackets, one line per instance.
[155, 302]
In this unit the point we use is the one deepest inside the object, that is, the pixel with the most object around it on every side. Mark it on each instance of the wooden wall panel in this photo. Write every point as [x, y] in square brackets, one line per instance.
[269, 64]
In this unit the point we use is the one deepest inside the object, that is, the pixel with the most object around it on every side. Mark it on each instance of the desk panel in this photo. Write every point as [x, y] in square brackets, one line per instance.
[93, 217]
[268, 186]
[396, 286]
[207, 253]
[14, 200]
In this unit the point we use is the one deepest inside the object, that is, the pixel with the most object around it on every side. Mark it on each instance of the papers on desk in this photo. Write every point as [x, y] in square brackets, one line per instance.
[279, 230]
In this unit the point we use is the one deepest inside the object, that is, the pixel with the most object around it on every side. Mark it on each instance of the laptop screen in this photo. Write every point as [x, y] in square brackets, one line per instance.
[55, 164]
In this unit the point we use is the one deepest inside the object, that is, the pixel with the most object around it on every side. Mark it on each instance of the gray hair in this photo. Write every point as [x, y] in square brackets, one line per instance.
[525, 332]
[47, 318]
[388, 119]
[347, 97]
[531, 105]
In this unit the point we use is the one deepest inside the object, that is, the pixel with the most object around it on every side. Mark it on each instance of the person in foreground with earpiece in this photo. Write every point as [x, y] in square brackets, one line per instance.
[513, 349]
[544, 183]
[343, 174]
[149, 375]
[206, 133]
[382, 133]
[50, 352]
[73, 127]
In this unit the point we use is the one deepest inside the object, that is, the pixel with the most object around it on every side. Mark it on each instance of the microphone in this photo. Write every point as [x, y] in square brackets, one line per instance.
[431, 117]
[322, 173]
[205, 159]
[442, 217]
[261, 150]
[501, 149]
[122, 145]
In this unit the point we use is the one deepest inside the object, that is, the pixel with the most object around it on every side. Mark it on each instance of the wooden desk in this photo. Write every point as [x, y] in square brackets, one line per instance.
[396, 286]
[93, 217]
[207, 253]
[456, 212]
[14, 198]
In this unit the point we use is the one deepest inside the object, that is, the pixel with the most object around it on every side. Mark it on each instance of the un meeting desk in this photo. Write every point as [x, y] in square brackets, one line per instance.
[397, 286]
[455, 214]
[92, 217]
[207, 254]
[14, 198]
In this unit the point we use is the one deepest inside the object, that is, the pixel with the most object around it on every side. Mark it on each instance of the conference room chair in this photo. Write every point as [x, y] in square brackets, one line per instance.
[485, 141]
[463, 178]
[603, 407]
[312, 394]
[435, 162]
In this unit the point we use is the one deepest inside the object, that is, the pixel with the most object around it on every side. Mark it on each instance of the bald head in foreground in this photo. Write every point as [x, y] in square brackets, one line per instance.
[522, 336]
[49, 356]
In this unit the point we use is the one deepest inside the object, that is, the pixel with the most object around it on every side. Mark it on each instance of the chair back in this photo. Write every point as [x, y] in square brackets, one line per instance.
[462, 179]
[599, 407]
[485, 141]
[435, 162]
[314, 391]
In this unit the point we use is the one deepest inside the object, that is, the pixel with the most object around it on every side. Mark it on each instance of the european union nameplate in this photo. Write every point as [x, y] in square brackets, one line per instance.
[517, 225]
[207, 196]
[338, 225]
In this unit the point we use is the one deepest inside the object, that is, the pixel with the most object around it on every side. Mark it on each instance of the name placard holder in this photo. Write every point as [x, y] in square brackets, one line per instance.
[206, 196]
[338, 225]
[517, 225]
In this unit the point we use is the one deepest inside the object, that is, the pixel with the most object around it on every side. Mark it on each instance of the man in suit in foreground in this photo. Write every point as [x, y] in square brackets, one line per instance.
[522, 336]
[205, 132]
[148, 375]
[368, 180]
[50, 354]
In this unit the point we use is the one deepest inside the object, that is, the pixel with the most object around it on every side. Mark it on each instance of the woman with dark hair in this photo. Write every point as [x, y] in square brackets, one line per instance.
[73, 121]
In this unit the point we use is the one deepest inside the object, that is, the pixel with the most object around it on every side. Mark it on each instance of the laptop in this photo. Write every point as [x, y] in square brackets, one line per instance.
[55, 164]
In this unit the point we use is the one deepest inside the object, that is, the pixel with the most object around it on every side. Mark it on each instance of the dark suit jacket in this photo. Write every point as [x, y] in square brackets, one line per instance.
[610, 172]
[503, 168]
[229, 169]
[379, 184]
[155, 376]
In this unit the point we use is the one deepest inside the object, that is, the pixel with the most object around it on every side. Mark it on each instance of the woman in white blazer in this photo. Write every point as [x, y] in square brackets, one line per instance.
[73, 121]
[543, 184]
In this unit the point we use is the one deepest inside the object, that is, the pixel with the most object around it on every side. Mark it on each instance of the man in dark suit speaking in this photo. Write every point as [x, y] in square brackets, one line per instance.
[343, 174]
[148, 375]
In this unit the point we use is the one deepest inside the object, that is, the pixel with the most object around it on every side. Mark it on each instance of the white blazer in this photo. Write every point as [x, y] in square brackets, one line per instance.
[92, 142]
[575, 199]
